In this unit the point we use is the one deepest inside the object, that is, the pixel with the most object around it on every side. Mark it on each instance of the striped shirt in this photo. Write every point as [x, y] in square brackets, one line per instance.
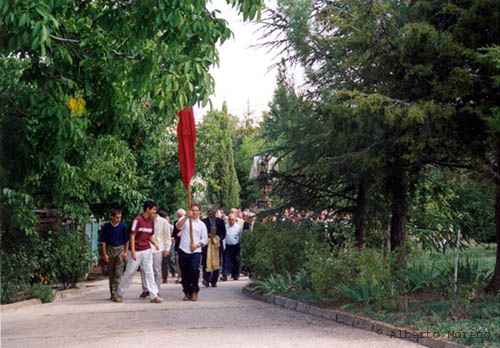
[142, 229]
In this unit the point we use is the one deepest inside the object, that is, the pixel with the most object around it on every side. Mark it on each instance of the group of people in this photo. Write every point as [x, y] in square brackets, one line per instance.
[152, 244]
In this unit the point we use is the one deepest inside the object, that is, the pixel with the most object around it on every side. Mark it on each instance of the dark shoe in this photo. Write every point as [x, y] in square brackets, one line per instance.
[118, 298]
[165, 281]
[177, 281]
[194, 297]
[157, 299]
[236, 278]
[223, 278]
[186, 297]
[204, 282]
[144, 294]
[214, 285]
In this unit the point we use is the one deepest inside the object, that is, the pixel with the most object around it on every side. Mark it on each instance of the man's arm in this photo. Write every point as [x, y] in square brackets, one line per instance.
[152, 241]
[132, 246]
[124, 256]
[168, 241]
[104, 254]
[125, 241]
[223, 230]
[181, 223]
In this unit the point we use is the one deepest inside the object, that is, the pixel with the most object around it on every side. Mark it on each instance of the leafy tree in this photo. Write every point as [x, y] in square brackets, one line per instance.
[404, 76]
[88, 89]
[216, 159]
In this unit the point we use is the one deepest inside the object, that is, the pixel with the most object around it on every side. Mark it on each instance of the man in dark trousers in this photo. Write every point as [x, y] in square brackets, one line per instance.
[215, 227]
[193, 238]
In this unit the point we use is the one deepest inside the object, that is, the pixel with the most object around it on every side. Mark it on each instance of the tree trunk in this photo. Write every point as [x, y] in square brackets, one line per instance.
[359, 215]
[494, 285]
[399, 208]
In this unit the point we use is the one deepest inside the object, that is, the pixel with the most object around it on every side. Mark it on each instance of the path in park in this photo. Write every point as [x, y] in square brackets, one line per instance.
[223, 317]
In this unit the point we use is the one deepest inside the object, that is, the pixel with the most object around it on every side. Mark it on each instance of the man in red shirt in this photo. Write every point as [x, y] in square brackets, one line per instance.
[140, 253]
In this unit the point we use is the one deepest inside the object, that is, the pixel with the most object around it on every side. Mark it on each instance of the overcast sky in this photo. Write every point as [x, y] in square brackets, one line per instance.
[242, 75]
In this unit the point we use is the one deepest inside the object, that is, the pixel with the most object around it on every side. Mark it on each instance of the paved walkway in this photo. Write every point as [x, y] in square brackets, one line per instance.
[223, 317]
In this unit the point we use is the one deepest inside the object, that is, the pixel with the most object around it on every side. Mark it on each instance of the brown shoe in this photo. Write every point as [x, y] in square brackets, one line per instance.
[118, 299]
[186, 297]
[204, 282]
[194, 297]
[157, 299]
[165, 281]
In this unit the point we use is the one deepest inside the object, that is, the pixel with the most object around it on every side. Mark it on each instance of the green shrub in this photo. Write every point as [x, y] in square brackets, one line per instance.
[70, 256]
[18, 268]
[276, 248]
[41, 291]
[61, 256]
[275, 284]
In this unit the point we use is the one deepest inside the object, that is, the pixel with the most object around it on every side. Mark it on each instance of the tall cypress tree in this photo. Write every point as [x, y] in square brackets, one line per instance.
[216, 160]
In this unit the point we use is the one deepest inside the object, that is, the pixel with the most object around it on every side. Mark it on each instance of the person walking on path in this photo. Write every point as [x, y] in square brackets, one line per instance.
[176, 234]
[212, 252]
[141, 238]
[114, 242]
[161, 237]
[190, 251]
[168, 263]
[232, 251]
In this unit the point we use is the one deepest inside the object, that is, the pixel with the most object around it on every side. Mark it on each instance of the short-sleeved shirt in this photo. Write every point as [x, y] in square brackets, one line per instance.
[114, 235]
[143, 229]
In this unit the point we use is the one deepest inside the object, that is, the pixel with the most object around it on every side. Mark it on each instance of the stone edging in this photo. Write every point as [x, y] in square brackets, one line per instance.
[60, 295]
[20, 304]
[352, 320]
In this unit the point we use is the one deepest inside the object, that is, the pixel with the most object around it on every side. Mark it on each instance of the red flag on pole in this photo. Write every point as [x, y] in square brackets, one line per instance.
[186, 137]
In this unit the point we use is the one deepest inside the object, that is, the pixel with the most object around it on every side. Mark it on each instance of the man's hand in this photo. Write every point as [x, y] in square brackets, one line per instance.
[157, 247]
[124, 256]
[132, 254]
[106, 258]
[194, 247]
[179, 234]
[165, 253]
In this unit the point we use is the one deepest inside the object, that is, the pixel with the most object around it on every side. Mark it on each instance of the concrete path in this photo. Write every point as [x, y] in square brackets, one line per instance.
[223, 317]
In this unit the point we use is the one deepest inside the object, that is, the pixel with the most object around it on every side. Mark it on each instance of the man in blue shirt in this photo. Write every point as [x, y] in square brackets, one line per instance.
[114, 241]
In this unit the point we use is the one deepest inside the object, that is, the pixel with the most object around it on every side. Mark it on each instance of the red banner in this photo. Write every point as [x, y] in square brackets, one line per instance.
[186, 138]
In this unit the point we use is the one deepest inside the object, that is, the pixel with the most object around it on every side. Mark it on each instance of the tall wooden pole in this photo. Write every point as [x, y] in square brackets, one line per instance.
[190, 203]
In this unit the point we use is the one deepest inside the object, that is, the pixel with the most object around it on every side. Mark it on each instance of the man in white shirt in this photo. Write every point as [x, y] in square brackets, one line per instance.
[162, 238]
[190, 251]
[232, 250]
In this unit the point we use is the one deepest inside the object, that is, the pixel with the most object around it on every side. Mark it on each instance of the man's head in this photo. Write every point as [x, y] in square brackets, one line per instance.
[116, 216]
[195, 211]
[149, 208]
[180, 213]
[231, 219]
[234, 211]
[211, 211]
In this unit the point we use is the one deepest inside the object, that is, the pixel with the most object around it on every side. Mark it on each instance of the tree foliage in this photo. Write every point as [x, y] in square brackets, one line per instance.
[216, 160]
[392, 87]
[88, 96]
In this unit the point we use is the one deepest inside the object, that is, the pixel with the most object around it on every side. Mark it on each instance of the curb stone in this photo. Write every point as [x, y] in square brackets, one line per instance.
[291, 304]
[280, 301]
[21, 304]
[354, 320]
[302, 307]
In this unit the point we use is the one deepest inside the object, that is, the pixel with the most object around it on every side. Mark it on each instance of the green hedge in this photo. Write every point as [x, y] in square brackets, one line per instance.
[62, 256]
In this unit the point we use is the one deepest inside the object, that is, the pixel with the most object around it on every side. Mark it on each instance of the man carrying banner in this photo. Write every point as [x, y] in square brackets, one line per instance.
[193, 236]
